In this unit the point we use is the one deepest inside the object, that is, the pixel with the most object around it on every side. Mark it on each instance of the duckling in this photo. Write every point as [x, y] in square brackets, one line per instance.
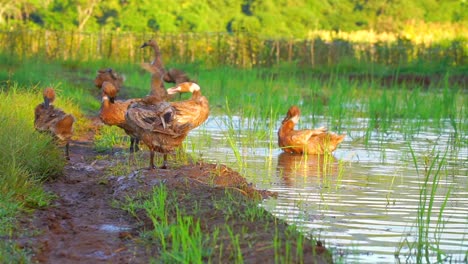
[112, 113]
[311, 141]
[109, 75]
[53, 120]
[164, 126]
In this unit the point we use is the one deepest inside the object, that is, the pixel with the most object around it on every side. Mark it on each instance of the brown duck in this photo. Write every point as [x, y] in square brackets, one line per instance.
[310, 141]
[53, 120]
[164, 126]
[173, 75]
[109, 75]
[112, 113]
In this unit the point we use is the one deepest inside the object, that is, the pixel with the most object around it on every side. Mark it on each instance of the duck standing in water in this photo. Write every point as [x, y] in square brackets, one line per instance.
[164, 126]
[310, 141]
[53, 120]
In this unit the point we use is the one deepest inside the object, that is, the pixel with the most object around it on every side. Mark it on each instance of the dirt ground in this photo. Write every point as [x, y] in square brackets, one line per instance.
[84, 225]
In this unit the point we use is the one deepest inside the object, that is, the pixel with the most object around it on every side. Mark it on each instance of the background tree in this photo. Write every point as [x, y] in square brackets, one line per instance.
[272, 18]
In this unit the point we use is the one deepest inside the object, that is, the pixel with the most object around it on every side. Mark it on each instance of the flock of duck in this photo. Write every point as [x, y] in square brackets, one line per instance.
[161, 123]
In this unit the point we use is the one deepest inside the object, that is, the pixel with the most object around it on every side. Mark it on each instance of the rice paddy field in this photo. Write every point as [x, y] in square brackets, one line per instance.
[395, 190]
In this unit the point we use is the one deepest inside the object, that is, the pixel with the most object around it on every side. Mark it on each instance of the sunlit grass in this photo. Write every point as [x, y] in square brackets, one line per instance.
[27, 158]
[181, 238]
[426, 245]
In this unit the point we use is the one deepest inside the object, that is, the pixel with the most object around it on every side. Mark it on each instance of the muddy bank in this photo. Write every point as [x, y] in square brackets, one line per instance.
[85, 224]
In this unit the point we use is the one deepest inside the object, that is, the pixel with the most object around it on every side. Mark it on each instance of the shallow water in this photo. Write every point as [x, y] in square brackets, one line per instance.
[363, 202]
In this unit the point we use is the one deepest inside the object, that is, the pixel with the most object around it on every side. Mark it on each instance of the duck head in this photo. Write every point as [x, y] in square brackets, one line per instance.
[185, 87]
[109, 90]
[108, 75]
[150, 42]
[293, 114]
[49, 96]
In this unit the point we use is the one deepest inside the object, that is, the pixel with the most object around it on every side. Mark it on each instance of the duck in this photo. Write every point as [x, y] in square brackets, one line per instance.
[109, 75]
[164, 126]
[53, 120]
[172, 75]
[157, 93]
[112, 113]
[311, 141]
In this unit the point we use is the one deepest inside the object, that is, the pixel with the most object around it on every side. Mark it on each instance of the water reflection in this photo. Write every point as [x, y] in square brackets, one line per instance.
[295, 168]
[365, 199]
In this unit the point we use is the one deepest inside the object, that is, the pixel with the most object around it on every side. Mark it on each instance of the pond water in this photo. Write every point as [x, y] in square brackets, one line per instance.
[363, 201]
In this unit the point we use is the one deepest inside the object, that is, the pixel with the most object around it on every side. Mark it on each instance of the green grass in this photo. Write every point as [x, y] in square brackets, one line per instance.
[179, 236]
[27, 158]
[427, 241]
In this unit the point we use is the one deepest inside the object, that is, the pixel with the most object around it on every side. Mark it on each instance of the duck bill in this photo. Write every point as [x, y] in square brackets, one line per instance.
[144, 45]
[173, 90]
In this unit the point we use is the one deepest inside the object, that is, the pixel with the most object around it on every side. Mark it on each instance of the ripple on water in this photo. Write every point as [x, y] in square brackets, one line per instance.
[367, 202]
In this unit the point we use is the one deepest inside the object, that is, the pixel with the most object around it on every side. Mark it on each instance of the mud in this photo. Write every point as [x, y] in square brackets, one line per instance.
[84, 224]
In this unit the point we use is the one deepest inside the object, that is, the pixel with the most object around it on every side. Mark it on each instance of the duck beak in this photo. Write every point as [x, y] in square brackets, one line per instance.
[173, 90]
[144, 45]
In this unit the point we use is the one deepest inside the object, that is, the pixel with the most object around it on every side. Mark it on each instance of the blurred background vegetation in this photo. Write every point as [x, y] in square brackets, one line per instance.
[266, 18]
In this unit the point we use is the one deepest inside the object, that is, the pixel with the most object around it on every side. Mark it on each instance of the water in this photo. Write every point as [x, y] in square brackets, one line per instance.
[363, 202]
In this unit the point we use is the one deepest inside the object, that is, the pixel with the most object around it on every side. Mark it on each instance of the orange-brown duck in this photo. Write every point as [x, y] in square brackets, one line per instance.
[112, 113]
[53, 120]
[164, 126]
[311, 141]
[109, 75]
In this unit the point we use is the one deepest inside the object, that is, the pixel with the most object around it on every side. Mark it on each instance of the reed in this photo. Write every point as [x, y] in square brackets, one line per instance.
[426, 246]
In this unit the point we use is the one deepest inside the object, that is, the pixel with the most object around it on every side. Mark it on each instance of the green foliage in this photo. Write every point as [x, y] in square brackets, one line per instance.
[273, 18]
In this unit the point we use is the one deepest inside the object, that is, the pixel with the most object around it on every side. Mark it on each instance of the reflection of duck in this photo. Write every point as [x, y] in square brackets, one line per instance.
[54, 120]
[164, 126]
[292, 166]
[311, 141]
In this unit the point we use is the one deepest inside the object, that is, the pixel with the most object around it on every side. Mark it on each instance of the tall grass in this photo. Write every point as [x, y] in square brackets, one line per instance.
[426, 246]
[27, 158]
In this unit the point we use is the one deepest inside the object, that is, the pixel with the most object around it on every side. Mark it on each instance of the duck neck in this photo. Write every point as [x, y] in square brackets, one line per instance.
[157, 62]
[196, 94]
[287, 126]
[105, 102]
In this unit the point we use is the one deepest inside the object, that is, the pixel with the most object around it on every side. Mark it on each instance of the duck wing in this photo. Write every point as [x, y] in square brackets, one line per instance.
[302, 137]
[151, 117]
[45, 118]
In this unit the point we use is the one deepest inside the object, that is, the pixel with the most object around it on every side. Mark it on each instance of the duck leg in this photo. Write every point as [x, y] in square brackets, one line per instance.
[164, 166]
[152, 167]
[134, 144]
[67, 151]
